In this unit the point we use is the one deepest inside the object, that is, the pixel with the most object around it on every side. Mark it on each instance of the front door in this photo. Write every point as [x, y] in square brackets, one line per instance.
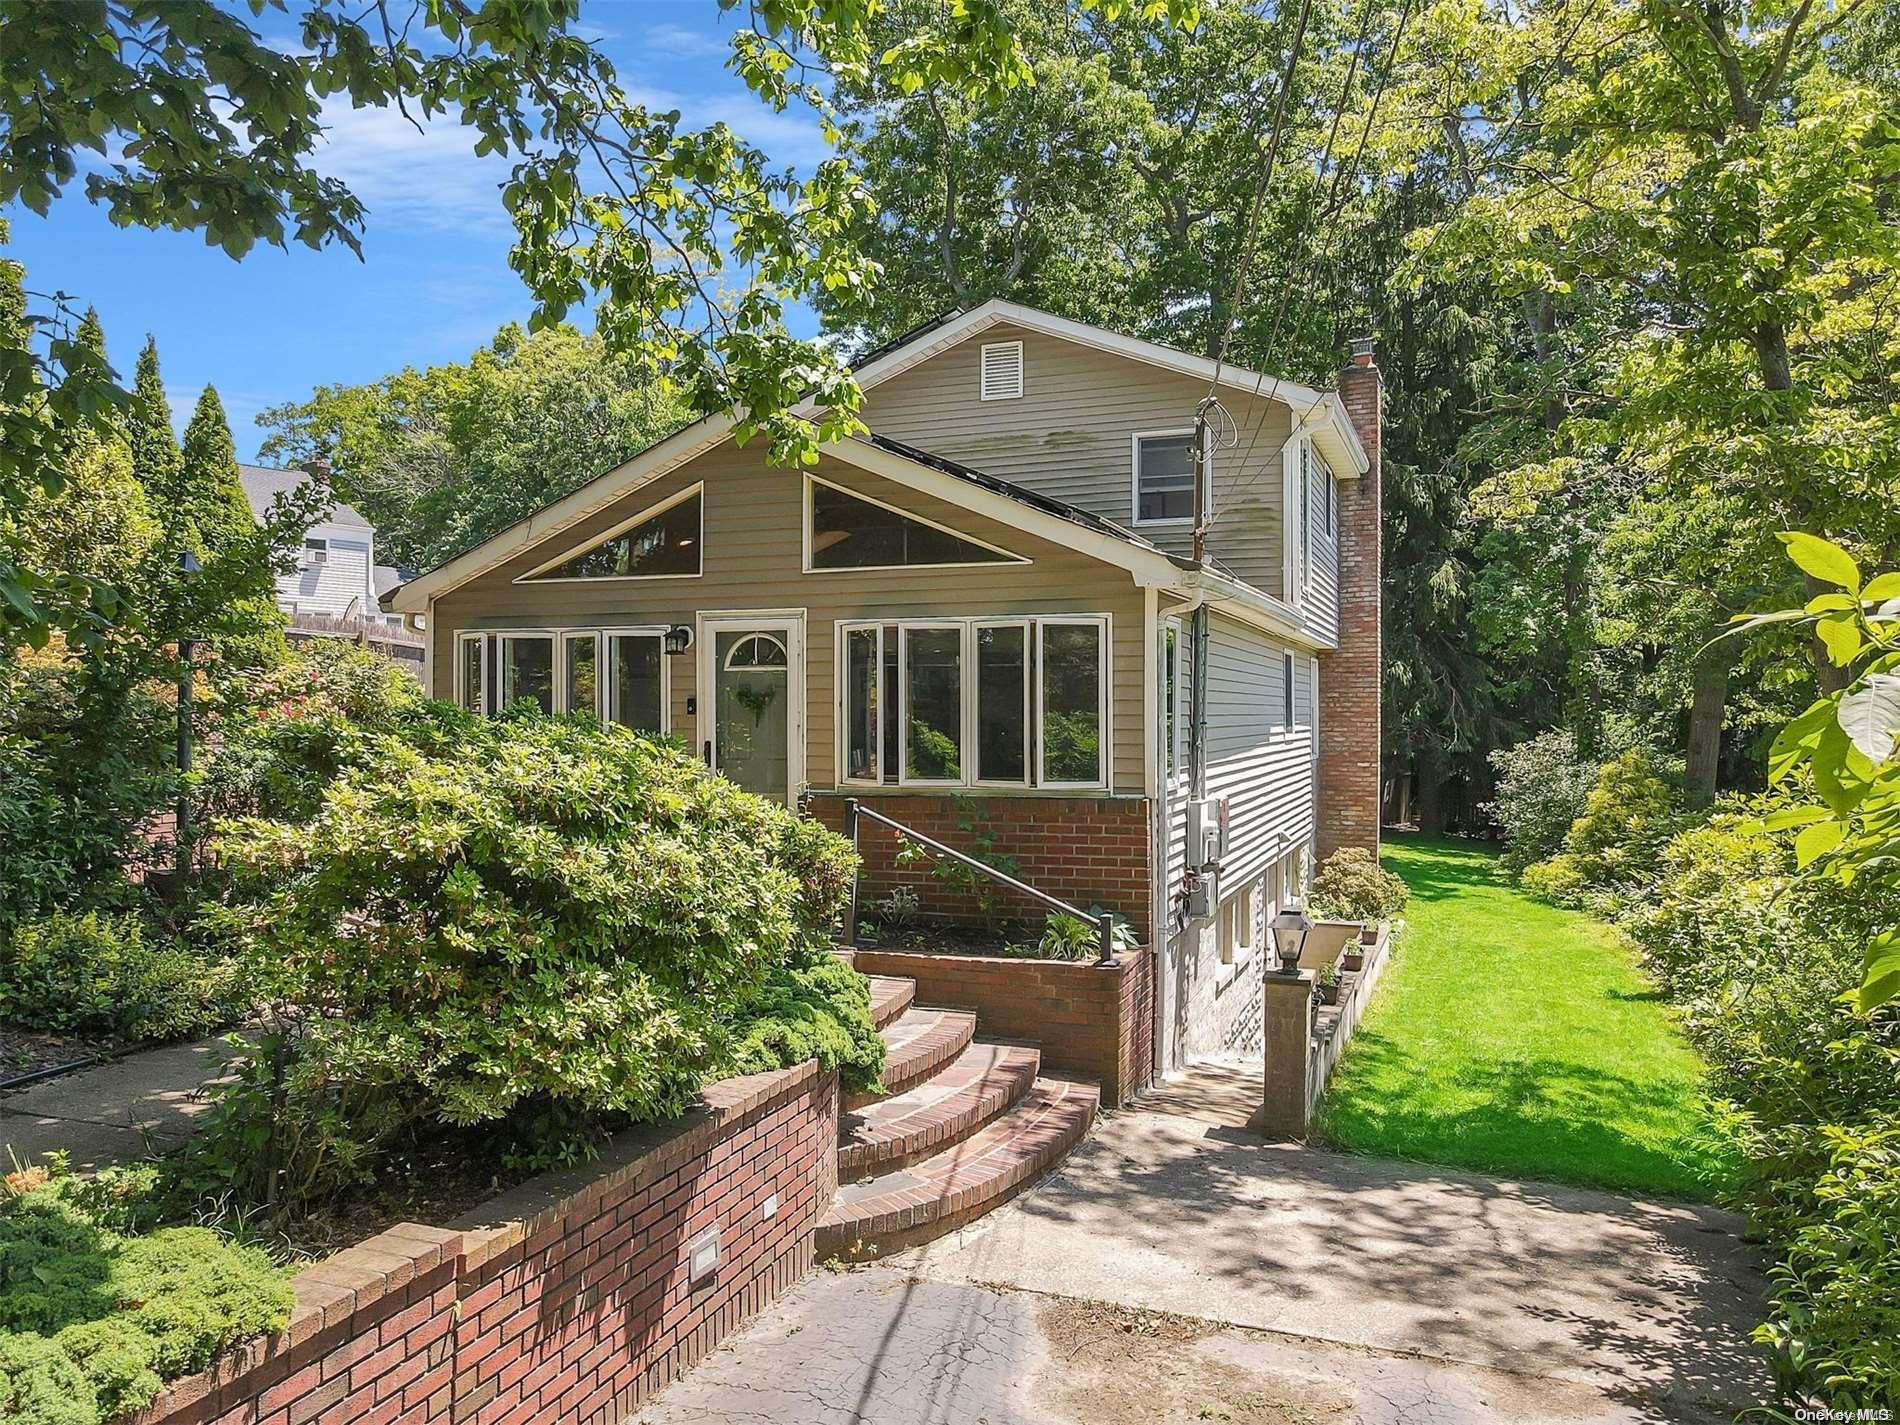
[751, 715]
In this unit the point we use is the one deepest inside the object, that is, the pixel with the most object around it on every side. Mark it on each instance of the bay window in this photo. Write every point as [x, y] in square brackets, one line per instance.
[979, 702]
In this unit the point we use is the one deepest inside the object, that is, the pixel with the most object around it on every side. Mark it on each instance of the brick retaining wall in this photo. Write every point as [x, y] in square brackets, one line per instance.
[1086, 1020]
[1085, 850]
[564, 1300]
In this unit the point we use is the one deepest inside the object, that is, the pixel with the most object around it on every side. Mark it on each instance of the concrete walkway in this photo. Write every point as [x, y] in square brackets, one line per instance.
[118, 1112]
[1178, 1268]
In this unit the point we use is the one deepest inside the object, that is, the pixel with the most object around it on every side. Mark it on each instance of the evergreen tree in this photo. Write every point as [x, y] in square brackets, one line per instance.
[212, 494]
[155, 458]
[91, 333]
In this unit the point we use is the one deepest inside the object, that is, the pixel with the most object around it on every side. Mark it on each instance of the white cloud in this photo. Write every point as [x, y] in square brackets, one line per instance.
[792, 137]
[429, 176]
[683, 43]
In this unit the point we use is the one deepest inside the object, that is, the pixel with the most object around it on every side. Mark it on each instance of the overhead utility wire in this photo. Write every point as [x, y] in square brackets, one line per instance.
[1329, 215]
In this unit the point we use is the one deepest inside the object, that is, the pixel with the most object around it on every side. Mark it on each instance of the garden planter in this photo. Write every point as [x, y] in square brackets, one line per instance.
[1354, 959]
[1329, 994]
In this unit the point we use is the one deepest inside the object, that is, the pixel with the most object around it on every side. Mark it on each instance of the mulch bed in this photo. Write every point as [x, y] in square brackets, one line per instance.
[25, 1051]
[1006, 937]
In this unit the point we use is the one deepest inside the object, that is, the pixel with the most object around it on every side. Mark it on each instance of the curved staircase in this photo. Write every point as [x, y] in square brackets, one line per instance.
[961, 1127]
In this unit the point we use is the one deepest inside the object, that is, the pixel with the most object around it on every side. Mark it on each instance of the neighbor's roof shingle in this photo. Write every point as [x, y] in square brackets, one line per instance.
[262, 484]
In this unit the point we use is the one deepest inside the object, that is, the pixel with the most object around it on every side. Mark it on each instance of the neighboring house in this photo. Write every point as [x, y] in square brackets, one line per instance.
[335, 591]
[982, 619]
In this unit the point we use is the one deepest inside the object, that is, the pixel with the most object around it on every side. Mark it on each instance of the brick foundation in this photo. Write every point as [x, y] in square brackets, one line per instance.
[1349, 678]
[1098, 1022]
[564, 1300]
[1085, 850]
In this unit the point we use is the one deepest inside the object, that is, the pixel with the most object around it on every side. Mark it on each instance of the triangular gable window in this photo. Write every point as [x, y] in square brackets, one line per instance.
[850, 532]
[659, 543]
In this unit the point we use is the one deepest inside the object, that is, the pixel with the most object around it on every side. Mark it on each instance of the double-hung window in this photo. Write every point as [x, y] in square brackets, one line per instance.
[1164, 477]
[976, 702]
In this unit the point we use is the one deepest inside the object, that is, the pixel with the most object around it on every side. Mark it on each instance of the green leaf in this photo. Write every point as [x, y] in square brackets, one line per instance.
[1870, 716]
[1789, 817]
[1880, 974]
[1823, 559]
[1840, 636]
[1816, 841]
[1882, 586]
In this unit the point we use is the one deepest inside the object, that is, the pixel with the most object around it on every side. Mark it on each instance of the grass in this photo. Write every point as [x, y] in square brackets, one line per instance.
[1520, 1039]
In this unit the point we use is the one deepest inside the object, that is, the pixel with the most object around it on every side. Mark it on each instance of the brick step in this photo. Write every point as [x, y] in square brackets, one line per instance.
[890, 997]
[946, 1108]
[914, 1204]
[917, 1044]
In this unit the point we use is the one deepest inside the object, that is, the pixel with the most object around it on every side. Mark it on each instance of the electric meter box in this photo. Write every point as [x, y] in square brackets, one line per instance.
[1207, 832]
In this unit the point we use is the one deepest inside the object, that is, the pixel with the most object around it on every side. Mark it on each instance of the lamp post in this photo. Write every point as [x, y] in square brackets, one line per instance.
[188, 567]
[1290, 929]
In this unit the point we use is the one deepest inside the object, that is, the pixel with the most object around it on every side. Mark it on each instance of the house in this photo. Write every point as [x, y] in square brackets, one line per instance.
[336, 588]
[985, 619]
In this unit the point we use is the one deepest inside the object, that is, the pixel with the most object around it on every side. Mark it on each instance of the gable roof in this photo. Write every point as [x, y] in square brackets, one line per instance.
[263, 483]
[1321, 413]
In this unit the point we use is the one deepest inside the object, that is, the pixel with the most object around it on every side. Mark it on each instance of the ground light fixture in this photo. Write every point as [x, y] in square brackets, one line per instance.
[1290, 928]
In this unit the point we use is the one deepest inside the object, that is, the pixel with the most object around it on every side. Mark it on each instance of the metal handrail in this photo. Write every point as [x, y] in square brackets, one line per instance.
[853, 809]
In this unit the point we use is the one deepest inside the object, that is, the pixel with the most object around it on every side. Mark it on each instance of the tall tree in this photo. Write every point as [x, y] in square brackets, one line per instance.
[149, 432]
[614, 202]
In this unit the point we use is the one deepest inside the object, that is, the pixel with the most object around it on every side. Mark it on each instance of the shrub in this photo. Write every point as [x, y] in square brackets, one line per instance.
[1615, 847]
[283, 734]
[1351, 885]
[93, 1320]
[81, 769]
[1542, 787]
[541, 912]
[1759, 963]
[95, 973]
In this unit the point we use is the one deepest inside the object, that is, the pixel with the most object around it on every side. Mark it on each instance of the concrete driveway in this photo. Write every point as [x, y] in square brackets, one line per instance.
[1178, 1268]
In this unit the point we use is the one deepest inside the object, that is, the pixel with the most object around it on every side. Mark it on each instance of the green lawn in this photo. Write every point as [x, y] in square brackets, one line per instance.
[1519, 1039]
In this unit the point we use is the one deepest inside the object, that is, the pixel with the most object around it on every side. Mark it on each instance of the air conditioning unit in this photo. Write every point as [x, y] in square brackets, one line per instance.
[1207, 833]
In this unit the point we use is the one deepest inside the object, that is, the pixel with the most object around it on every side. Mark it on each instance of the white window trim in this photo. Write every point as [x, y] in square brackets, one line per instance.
[1028, 626]
[638, 630]
[316, 552]
[1306, 514]
[1289, 534]
[842, 704]
[1289, 695]
[968, 717]
[983, 366]
[505, 636]
[481, 640]
[1105, 759]
[965, 700]
[1134, 479]
[595, 541]
[807, 567]
[575, 635]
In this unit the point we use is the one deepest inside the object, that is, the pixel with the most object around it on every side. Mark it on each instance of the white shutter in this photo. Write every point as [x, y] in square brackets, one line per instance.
[1002, 370]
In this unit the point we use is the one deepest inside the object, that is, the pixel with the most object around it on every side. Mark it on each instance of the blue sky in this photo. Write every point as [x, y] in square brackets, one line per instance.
[434, 281]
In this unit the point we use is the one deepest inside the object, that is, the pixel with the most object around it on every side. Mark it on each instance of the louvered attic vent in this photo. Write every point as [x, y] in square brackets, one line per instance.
[1002, 370]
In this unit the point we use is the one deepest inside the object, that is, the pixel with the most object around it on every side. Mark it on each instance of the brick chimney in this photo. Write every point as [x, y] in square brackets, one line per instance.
[318, 467]
[1349, 678]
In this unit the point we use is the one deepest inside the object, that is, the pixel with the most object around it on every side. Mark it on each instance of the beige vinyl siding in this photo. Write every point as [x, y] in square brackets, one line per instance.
[1321, 613]
[1071, 436]
[1263, 768]
[753, 553]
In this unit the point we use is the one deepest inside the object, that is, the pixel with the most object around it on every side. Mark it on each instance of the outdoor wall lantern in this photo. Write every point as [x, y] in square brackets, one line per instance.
[1290, 927]
[679, 638]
